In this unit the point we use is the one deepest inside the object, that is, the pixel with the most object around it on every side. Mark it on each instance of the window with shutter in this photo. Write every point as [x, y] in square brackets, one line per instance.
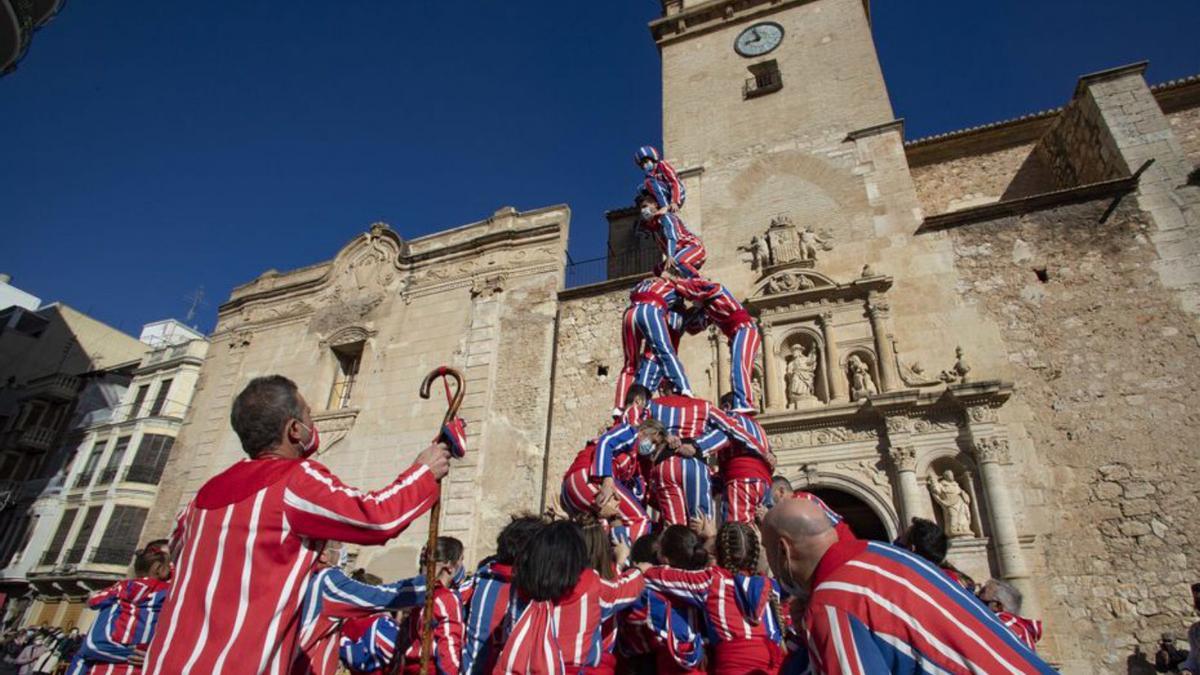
[151, 459]
[50, 557]
[121, 536]
[136, 409]
[161, 398]
[75, 553]
[114, 461]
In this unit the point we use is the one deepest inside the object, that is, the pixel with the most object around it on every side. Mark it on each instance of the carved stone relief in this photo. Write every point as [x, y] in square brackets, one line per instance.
[991, 449]
[955, 503]
[904, 457]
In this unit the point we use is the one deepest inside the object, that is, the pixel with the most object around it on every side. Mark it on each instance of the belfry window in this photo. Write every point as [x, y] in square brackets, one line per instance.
[349, 358]
[764, 79]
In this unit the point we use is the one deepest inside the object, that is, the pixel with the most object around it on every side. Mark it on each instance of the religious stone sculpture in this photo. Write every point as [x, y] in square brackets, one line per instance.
[800, 374]
[783, 243]
[958, 372]
[861, 382]
[756, 386]
[955, 503]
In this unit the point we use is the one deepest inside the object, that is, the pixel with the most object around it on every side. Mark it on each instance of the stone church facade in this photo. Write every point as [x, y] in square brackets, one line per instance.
[1002, 318]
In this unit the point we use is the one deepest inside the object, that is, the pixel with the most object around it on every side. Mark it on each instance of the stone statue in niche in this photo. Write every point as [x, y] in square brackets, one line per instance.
[862, 384]
[955, 503]
[800, 375]
[957, 372]
[756, 386]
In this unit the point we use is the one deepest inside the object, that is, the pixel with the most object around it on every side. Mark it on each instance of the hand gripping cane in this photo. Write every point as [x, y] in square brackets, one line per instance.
[451, 434]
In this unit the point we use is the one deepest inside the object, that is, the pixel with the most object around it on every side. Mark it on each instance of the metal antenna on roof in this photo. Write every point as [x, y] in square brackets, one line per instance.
[196, 298]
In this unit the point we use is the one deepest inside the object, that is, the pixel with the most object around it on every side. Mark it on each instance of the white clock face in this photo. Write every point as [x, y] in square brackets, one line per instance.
[758, 39]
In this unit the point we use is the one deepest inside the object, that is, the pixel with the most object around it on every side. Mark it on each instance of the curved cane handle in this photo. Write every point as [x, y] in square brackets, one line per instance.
[459, 390]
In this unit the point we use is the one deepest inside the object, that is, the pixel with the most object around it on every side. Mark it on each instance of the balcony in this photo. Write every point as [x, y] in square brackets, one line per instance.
[36, 438]
[766, 80]
[57, 387]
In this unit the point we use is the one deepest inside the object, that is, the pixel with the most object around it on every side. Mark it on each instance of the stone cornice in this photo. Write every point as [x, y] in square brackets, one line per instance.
[955, 399]
[1085, 81]
[505, 229]
[896, 125]
[1016, 207]
[679, 23]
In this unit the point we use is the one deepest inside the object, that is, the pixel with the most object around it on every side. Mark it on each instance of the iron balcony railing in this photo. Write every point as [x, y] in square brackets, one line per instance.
[616, 264]
[74, 555]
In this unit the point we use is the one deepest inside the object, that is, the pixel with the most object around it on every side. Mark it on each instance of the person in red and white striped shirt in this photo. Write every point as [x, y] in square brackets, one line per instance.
[447, 616]
[556, 616]
[251, 536]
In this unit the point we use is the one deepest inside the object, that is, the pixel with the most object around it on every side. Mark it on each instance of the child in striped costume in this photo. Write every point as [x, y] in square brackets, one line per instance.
[646, 331]
[484, 613]
[447, 615]
[653, 637]
[724, 311]
[684, 251]
[662, 181]
[555, 621]
[128, 614]
[740, 605]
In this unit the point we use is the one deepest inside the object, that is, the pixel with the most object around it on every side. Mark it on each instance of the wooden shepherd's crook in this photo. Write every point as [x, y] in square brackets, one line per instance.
[435, 514]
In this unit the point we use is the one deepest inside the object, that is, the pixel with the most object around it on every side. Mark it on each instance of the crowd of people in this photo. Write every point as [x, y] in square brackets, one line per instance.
[679, 550]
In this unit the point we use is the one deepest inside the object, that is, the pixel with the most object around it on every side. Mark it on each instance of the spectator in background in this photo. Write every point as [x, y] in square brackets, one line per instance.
[1005, 600]
[1192, 664]
[928, 540]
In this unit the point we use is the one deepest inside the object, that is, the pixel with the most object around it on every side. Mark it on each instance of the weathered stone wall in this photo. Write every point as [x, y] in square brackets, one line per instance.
[1186, 126]
[480, 298]
[1078, 149]
[969, 180]
[1106, 370]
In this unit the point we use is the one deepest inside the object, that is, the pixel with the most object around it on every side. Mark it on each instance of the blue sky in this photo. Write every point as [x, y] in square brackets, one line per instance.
[166, 146]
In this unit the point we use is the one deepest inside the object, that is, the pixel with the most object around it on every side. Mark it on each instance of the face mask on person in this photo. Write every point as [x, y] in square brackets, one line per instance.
[648, 165]
[785, 579]
[310, 447]
[647, 213]
[645, 447]
[459, 575]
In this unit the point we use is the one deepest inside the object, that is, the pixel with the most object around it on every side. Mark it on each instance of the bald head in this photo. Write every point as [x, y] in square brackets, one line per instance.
[797, 533]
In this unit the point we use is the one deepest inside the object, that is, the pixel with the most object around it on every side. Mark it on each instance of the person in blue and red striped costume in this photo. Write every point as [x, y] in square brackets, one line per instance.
[603, 476]
[725, 312]
[661, 181]
[555, 621]
[128, 614]
[684, 251]
[875, 608]
[332, 597]
[484, 613]
[646, 331]
[654, 637]
[716, 571]
[744, 469]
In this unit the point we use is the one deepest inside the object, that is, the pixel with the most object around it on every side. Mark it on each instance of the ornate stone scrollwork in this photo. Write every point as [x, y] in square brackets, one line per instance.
[904, 457]
[488, 286]
[347, 336]
[993, 449]
[898, 424]
[981, 414]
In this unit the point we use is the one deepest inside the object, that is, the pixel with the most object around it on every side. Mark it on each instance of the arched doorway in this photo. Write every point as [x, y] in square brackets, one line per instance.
[861, 518]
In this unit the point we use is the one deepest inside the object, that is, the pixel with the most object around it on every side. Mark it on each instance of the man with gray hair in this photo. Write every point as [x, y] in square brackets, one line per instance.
[1005, 600]
[875, 608]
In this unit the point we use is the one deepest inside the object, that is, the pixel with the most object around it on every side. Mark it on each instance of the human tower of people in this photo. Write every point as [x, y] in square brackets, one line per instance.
[644, 574]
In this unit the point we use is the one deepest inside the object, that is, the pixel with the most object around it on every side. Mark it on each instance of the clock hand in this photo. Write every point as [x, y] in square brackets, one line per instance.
[757, 37]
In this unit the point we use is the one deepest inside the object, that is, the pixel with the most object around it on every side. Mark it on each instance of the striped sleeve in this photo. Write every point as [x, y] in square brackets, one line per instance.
[374, 650]
[345, 598]
[690, 586]
[620, 593]
[660, 192]
[719, 420]
[671, 178]
[616, 440]
[839, 643]
[713, 440]
[105, 597]
[447, 631]
[320, 506]
[99, 644]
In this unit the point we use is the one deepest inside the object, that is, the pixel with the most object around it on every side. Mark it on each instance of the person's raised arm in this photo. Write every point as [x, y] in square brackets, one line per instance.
[320, 506]
[621, 592]
[344, 597]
